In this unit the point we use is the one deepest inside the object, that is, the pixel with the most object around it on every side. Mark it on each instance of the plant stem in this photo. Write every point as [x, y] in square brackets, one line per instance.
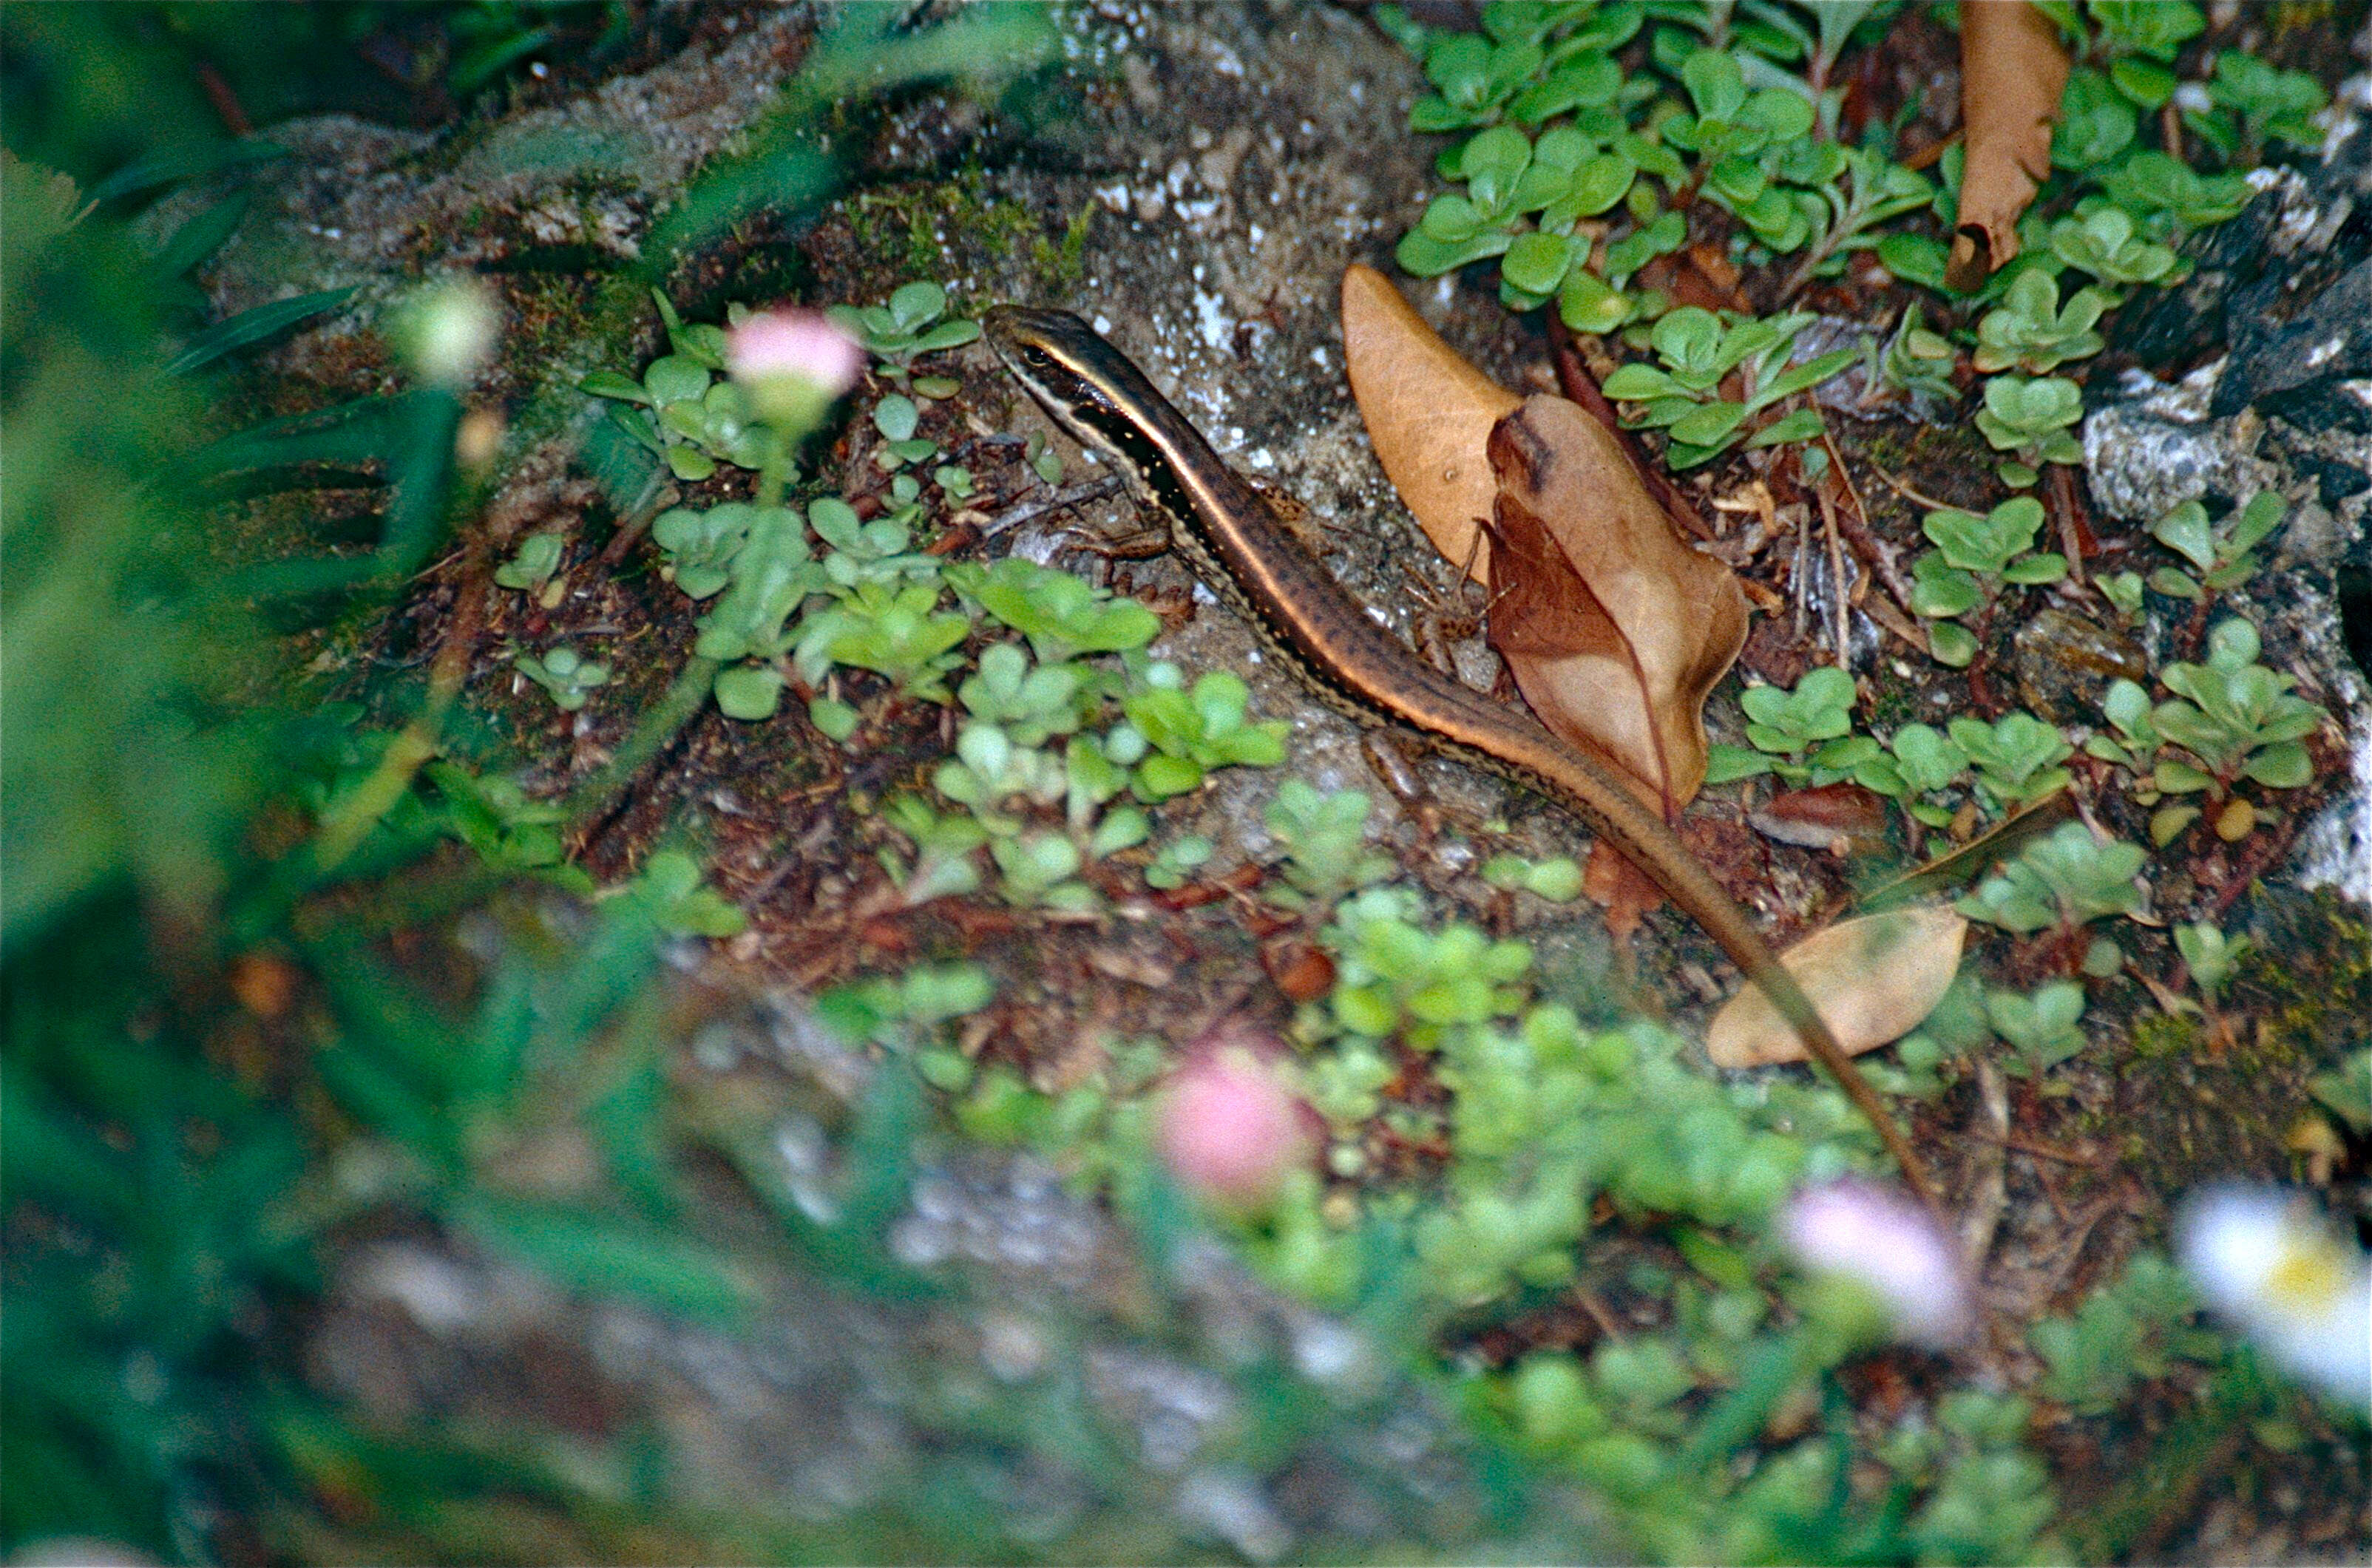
[774, 473]
[347, 822]
[659, 726]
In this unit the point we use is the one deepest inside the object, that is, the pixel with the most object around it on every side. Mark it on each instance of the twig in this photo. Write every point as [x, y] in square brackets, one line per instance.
[1839, 620]
[1061, 500]
[1910, 495]
[1927, 156]
[657, 495]
[2071, 528]
[1990, 1193]
[1858, 533]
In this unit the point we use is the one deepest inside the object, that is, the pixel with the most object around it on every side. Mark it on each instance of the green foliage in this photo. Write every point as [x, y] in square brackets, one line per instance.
[2224, 557]
[2097, 123]
[1698, 349]
[2103, 240]
[943, 864]
[887, 1006]
[1472, 79]
[2169, 196]
[2044, 1026]
[2126, 707]
[2032, 331]
[1558, 880]
[2134, 1329]
[2066, 880]
[1919, 360]
[1061, 614]
[2031, 417]
[897, 632]
[500, 823]
[534, 564]
[1177, 861]
[912, 323]
[1975, 558]
[679, 409]
[2237, 718]
[1992, 1499]
[670, 894]
[1030, 705]
[1785, 725]
[568, 676]
[700, 545]
[1397, 977]
[2346, 1089]
[1324, 840]
[1920, 761]
[896, 418]
[2211, 955]
[2256, 105]
[1192, 731]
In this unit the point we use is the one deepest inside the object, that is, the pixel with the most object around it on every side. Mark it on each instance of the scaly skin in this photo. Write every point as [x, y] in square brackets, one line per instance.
[1306, 622]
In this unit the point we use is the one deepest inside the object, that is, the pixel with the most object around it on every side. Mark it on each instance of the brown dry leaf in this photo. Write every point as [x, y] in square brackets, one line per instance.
[1875, 977]
[2013, 69]
[1429, 414]
[1613, 629]
[1621, 889]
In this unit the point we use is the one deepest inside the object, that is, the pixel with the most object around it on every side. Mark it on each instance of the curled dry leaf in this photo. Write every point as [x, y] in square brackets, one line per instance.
[1429, 414]
[2013, 69]
[1842, 818]
[1875, 977]
[1614, 630]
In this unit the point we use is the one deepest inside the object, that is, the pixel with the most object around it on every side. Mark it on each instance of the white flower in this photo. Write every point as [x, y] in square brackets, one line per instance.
[2260, 1257]
[1885, 1242]
[448, 332]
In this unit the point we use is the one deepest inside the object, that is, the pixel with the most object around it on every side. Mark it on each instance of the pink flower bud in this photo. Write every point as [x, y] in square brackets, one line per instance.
[1885, 1242]
[1227, 1126]
[792, 364]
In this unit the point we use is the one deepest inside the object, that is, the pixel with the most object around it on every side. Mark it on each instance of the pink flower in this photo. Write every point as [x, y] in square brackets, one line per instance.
[1227, 1126]
[1885, 1242]
[792, 364]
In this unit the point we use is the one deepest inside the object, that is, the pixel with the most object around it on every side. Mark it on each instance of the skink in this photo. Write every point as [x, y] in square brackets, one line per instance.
[1310, 623]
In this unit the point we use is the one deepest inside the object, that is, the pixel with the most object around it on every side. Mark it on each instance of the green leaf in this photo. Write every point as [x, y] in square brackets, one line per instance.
[1710, 426]
[177, 163]
[2185, 532]
[1801, 378]
[1537, 263]
[1637, 383]
[251, 327]
[1802, 424]
[1951, 644]
[749, 692]
[612, 384]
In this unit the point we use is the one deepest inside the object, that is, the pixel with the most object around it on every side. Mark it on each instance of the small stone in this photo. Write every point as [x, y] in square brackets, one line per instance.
[2065, 662]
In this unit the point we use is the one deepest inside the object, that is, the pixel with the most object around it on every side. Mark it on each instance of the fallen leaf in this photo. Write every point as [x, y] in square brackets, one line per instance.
[1429, 414]
[1875, 977]
[1621, 889]
[2013, 69]
[1962, 864]
[1613, 629]
[1842, 818]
